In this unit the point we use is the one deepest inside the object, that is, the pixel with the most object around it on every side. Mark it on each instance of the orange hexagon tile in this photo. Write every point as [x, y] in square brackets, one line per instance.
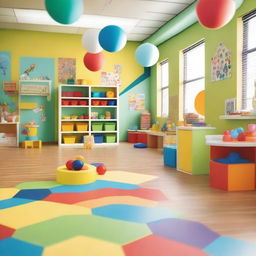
[117, 200]
[34, 212]
[81, 246]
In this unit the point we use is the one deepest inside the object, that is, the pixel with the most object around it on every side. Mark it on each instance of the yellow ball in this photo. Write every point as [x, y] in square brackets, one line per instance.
[81, 158]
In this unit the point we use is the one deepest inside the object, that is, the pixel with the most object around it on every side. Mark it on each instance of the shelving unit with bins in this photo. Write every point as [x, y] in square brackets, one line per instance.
[70, 116]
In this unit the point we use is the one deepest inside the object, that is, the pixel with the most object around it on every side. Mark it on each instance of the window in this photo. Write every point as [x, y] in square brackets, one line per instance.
[164, 74]
[249, 62]
[194, 72]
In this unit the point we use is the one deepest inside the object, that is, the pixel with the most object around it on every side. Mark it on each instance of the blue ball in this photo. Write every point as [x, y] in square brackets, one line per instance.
[147, 55]
[112, 38]
[77, 165]
[65, 11]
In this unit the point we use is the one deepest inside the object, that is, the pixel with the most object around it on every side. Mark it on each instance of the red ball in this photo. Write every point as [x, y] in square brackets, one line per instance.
[215, 14]
[101, 169]
[94, 61]
[69, 164]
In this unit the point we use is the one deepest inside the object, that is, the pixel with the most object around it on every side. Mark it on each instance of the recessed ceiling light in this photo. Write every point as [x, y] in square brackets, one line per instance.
[85, 21]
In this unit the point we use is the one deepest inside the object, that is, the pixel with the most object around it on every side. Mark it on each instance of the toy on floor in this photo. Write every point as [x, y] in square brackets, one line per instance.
[31, 140]
[100, 168]
[239, 134]
[140, 145]
[88, 141]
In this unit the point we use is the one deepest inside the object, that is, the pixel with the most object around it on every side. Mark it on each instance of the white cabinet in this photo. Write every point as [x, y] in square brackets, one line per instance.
[88, 110]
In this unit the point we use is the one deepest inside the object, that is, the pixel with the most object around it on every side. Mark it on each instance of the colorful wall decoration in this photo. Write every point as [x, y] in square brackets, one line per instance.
[136, 101]
[112, 78]
[42, 114]
[221, 63]
[5, 66]
[66, 69]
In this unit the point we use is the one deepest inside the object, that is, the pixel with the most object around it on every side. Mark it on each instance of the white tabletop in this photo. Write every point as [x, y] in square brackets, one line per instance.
[216, 140]
[195, 128]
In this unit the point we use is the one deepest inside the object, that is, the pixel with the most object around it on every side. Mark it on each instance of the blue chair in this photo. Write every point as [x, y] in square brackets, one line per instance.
[170, 153]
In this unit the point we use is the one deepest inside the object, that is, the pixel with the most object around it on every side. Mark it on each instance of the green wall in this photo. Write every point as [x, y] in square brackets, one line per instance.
[216, 92]
[130, 118]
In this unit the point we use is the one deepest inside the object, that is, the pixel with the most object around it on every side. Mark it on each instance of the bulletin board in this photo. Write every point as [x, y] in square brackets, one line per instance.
[43, 112]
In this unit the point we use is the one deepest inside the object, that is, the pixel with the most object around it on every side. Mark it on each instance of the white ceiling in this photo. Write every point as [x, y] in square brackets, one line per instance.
[140, 18]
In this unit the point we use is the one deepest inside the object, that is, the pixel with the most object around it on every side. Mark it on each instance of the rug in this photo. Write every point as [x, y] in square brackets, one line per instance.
[114, 216]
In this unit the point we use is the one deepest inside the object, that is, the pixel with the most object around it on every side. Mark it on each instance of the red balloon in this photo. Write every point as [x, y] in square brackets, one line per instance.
[94, 61]
[215, 14]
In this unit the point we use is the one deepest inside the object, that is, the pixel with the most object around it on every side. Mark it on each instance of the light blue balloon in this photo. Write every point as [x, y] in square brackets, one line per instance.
[65, 11]
[234, 133]
[112, 38]
[147, 55]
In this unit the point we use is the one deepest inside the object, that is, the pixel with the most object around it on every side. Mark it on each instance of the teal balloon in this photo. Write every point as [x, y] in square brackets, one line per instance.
[65, 11]
[147, 55]
[112, 38]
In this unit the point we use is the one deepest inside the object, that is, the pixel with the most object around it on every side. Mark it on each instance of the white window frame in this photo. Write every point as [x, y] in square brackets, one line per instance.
[164, 88]
[185, 80]
[246, 51]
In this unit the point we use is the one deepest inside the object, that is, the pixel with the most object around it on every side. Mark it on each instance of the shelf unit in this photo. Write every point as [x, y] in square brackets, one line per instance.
[86, 110]
[237, 117]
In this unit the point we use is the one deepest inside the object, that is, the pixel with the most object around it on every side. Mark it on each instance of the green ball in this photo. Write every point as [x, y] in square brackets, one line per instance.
[65, 11]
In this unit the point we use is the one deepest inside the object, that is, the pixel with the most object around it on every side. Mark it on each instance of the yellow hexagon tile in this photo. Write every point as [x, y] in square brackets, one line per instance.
[31, 213]
[6, 193]
[80, 246]
[127, 177]
[117, 200]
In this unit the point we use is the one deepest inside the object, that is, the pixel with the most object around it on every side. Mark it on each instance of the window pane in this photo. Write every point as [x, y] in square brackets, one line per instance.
[252, 33]
[195, 63]
[249, 91]
[165, 102]
[191, 91]
[164, 74]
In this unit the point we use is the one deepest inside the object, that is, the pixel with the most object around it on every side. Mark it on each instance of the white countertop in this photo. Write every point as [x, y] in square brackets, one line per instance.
[195, 128]
[216, 140]
[10, 123]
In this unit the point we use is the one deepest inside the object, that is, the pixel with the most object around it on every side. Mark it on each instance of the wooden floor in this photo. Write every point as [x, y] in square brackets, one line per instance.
[229, 213]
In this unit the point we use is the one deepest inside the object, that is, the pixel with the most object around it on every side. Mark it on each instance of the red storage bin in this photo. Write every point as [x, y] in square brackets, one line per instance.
[142, 138]
[104, 102]
[95, 102]
[74, 102]
[132, 137]
[64, 102]
[78, 94]
[83, 102]
[67, 94]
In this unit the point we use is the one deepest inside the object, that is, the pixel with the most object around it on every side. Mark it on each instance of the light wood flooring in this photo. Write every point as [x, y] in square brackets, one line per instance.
[229, 213]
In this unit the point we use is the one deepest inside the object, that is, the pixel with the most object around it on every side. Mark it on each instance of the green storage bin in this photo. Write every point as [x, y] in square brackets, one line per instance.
[109, 126]
[97, 126]
[110, 138]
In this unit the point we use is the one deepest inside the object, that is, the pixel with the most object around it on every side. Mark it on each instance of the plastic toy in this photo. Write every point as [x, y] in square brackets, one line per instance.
[140, 145]
[69, 164]
[100, 168]
[239, 134]
[88, 141]
[77, 165]
[31, 140]
[80, 158]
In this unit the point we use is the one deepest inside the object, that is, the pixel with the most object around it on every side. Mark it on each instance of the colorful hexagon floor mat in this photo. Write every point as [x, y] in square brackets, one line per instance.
[114, 216]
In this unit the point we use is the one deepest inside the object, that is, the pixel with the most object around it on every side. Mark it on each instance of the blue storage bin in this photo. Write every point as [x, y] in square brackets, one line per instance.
[98, 138]
[102, 94]
[170, 153]
[111, 102]
[95, 94]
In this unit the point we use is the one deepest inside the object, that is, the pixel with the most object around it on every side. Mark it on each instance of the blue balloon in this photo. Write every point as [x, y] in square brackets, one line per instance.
[147, 55]
[112, 38]
[65, 11]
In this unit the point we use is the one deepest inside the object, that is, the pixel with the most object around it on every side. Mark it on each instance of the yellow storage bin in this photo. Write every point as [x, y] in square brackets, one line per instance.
[67, 127]
[69, 139]
[82, 127]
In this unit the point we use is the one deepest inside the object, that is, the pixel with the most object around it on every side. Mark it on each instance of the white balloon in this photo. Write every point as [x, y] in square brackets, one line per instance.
[90, 41]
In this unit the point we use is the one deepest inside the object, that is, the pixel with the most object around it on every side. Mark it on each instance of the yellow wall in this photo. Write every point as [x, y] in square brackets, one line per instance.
[54, 45]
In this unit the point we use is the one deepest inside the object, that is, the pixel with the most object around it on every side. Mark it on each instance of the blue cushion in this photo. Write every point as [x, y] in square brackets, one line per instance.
[140, 145]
